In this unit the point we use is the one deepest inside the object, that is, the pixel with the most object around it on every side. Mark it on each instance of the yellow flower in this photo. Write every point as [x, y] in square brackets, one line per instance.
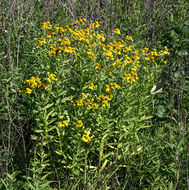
[129, 38]
[51, 77]
[62, 123]
[83, 95]
[110, 73]
[166, 51]
[97, 24]
[28, 91]
[79, 123]
[60, 117]
[92, 25]
[46, 25]
[86, 138]
[95, 106]
[117, 31]
[99, 66]
[84, 19]
[91, 86]
[107, 88]
[105, 103]
[65, 123]
[79, 102]
[89, 107]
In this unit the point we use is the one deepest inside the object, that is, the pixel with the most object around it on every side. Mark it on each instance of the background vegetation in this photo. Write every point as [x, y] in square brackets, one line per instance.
[141, 143]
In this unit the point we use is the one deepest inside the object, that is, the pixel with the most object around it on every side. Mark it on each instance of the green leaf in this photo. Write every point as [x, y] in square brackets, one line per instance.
[186, 40]
[39, 131]
[136, 136]
[146, 118]
[51, 128]
[65, 99]
[186, 22]
[48, 106]
[128, 110]
[106, 156]
[51, 121]
[183, 52]
[49, 114]
[185, 29]
[104, 165]
[143, 127]
[102, 146]
[58, 152]
[161, 111]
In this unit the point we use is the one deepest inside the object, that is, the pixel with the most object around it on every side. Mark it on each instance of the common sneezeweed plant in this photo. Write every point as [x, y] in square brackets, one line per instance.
[91, 97]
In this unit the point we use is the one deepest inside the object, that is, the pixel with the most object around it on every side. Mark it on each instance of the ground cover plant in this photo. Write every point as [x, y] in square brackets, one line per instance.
[90, 98]
[87, 105]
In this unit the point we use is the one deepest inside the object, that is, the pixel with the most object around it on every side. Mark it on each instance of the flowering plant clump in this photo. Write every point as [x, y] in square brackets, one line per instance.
[91, 90]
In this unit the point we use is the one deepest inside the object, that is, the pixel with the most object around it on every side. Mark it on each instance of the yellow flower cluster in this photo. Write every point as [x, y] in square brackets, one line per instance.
[64, 46]
[28, 91]
[42, 41]
[94, 25]
[51, 77]
[154, 54]
[114, 85]
[92, 38]
[166, 51]
[129, 38]
[89, 103]
[130, 77]
[117, 31]
[113, 63]
[81, 21]
[33, 82]
[55, 33]
[99, 66]
[63, 123]
[111, 85]
[104, 100]
[46, 25]
[113, 49]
